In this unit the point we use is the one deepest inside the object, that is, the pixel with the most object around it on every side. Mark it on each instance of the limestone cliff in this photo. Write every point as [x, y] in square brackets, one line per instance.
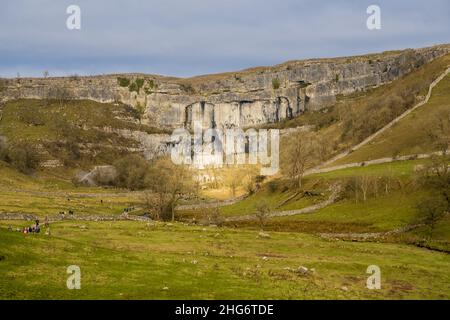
[245, 98]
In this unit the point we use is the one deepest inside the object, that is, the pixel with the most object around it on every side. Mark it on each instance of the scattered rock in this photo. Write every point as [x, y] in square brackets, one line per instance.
[344, 288]
[302, 270]
[263, 235]
[165, 288]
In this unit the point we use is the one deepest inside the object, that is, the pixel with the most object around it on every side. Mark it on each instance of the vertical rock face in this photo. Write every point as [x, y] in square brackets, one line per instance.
[242, 99]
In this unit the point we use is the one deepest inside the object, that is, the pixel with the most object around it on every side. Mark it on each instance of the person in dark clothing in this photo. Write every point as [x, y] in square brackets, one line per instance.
[37, 227]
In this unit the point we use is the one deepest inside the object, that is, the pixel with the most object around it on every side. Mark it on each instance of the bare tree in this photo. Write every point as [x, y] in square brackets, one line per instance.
[234, 181]
[436, 178]
[215, 216]
[263, 211]
[299, 155]
[431, 211]
[60, 94]
[387, 180]
[439, 131]
[150, 204]
[170, 183]
[364, 183]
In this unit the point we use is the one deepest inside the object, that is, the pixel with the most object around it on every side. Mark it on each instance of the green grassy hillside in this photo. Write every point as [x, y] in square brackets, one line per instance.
[78, 133]
[415, 134]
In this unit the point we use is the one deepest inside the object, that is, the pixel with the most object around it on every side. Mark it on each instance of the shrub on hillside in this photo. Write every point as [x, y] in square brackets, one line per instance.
[136, 85]
[431, 211]
[24, 157]
[132, 171]
[123, 82]
[3, 149]
[273, 186]
[276, 84]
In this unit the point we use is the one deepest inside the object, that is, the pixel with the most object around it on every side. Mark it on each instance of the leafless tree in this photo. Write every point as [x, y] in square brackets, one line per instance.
[262, 213]
[298, 155]
[169, 182]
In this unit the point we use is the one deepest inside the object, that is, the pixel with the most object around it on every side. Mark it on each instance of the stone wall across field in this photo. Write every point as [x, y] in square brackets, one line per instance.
[68, 217]
[241, 99]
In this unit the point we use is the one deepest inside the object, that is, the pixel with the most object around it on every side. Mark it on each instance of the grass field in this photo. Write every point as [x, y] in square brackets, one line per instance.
[128, 260]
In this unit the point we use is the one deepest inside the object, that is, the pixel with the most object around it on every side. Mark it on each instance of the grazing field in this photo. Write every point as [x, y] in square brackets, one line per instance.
[130, 260]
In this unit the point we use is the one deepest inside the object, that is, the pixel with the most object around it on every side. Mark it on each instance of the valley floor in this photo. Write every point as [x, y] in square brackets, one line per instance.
[132, 260]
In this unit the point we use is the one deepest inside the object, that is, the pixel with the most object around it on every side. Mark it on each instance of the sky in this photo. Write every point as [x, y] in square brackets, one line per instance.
[193, 37]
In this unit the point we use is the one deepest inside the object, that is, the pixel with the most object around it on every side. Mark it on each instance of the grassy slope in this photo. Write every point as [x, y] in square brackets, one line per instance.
[410, 135]
[79, 133]
[281, 191]
[46, 194]
[384, 212]
[34, 119]
[380, 213]
[133, 261]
